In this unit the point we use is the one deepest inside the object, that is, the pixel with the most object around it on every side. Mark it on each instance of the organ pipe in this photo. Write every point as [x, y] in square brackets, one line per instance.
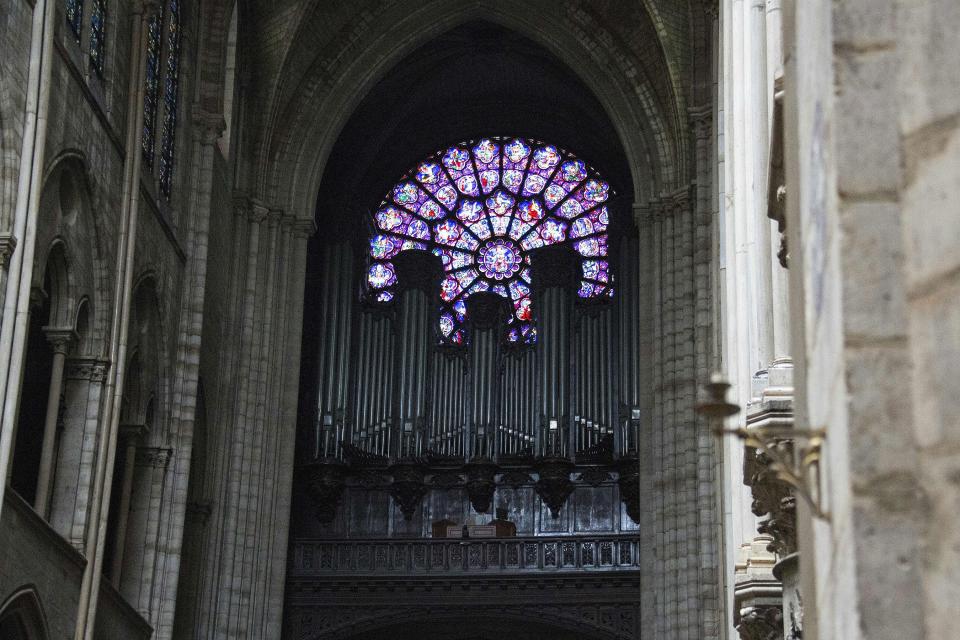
[414, 312]
[394, 393]
[483, 356]
[554, 364]
[336, 313]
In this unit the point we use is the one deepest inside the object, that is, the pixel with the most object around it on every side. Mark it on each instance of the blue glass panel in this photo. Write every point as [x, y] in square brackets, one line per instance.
[75, 17]
[98, 27]
[171, 90]
[151, 88]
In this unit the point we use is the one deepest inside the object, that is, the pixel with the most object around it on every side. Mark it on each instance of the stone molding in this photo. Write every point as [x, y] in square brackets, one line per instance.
[210, 125]
[92, 369]
[701, 121]
[8, 244]
[758, 594]
[667, 205]
[60, 338]
[154, 457]
[619, 619]
[773, 500]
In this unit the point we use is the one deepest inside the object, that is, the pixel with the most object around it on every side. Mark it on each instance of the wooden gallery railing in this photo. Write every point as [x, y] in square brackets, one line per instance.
[335, 558]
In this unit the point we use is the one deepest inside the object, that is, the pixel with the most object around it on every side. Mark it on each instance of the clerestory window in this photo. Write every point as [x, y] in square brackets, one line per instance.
[161, 93]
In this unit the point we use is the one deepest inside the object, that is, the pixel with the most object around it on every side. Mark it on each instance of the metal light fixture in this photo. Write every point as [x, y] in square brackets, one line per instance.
[794, 453]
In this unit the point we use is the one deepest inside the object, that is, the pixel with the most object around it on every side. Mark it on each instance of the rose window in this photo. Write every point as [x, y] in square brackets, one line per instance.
[483, 207]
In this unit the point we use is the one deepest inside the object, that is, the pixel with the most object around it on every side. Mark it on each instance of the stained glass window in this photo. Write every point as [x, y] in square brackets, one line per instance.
[152, 87]
[75, 16]
[482, 207]
[98, 20]
[170, 93]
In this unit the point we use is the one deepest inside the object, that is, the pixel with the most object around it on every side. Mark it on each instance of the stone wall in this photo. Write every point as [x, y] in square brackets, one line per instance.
[32, 555]
[872, 158]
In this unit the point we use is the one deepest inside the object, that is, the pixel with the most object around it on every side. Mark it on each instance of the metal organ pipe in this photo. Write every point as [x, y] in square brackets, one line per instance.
[333, 360]
[412, 370]
[554, 350]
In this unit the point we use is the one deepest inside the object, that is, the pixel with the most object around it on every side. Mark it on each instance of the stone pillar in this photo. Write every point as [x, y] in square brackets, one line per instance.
[138, 577]
[207, 128]
[758, 611]
[773, 500]
[60, 340]
[129, 437]
[243, 584]
[84, 379]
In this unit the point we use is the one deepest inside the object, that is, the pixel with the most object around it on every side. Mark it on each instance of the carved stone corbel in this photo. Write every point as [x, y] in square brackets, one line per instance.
[324, 483]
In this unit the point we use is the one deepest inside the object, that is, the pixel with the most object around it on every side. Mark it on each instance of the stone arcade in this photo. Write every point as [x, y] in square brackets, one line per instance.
[591, 319]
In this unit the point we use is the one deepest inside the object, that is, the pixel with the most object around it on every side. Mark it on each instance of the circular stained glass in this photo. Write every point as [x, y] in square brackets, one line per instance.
[499, 259]
[482, 207]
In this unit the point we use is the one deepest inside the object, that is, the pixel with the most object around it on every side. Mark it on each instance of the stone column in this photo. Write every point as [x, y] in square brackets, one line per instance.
[758, 610]
[207, 128]
[138, 577]
[129, 436]
[84, 379]
[773, 500]
[268, 625]
[60, 340]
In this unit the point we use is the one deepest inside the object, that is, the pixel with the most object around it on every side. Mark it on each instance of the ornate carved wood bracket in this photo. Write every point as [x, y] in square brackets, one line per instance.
[554, 485]
[480, 483]
[408, 487]
[629, 482]
[324, 483]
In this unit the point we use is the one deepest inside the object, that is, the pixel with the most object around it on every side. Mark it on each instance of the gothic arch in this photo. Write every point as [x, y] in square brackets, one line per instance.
[69, 226]
[22, 617]
[298, 148]
[541, 623]
[145, 397]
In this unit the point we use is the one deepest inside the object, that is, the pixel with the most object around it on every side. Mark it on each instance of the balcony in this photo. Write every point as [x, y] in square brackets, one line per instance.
[476, 556]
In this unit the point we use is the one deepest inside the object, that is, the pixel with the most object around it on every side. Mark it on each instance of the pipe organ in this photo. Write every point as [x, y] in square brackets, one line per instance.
[387, 388]
[389, 392]
[477, 333]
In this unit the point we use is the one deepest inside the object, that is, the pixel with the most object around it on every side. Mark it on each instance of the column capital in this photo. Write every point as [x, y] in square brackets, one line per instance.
[304, 228]
[664, 206]
[8, 243]
[710, 8]
[91, 369]
[155, 457]
[701, 120]
[146, 6]
[60, 338]
[210, 125]
[250, 208]
[132, 432]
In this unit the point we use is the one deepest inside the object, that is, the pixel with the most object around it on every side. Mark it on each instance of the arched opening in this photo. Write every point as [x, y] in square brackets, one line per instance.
[48, 308]
[409, 431]
[134, 480]
[21, 617]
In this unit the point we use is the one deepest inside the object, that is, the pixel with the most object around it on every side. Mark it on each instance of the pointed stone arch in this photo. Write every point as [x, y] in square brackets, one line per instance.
[310, 108]
[22, 616]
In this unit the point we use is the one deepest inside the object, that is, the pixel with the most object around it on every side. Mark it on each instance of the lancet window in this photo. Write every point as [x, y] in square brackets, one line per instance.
[161, 92]
[98, 35]
[75, 17]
